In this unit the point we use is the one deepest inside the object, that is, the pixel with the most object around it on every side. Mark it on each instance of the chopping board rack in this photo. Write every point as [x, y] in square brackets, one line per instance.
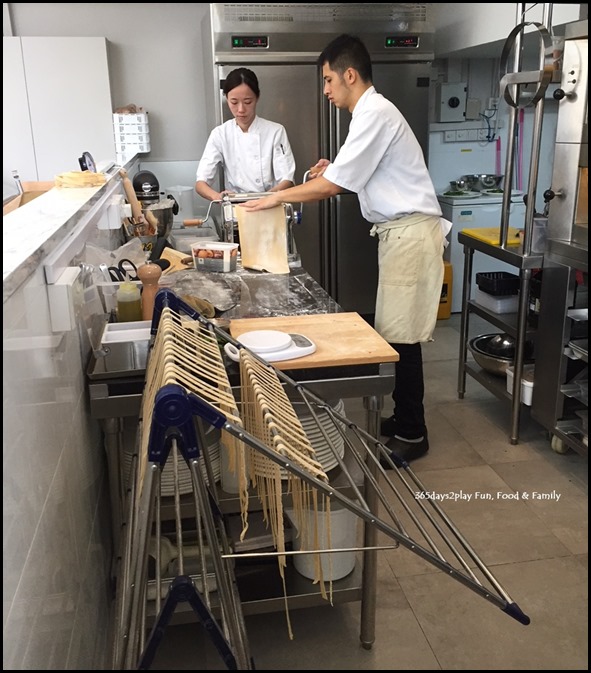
[187, 390]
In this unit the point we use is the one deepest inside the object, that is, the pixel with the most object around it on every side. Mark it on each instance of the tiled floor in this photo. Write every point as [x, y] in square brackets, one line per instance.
[536, 549]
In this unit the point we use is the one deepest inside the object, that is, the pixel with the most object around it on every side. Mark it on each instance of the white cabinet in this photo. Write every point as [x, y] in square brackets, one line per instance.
[475, 214]
[57, 104]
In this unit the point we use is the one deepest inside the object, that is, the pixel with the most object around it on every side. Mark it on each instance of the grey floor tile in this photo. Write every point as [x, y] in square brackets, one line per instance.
[467, 633]
[556, 500]
[500, 528]
[486, 432]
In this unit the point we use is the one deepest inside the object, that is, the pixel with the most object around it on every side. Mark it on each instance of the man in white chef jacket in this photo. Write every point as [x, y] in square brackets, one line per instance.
[382, 162]
[254, 153]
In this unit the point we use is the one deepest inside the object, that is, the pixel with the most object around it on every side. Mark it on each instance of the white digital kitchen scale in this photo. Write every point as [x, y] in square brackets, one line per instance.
[272, 345]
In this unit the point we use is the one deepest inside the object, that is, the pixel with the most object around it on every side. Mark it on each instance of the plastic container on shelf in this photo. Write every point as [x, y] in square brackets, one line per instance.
[215, 256]
[498, 283]
[527, 383]
[497, 304]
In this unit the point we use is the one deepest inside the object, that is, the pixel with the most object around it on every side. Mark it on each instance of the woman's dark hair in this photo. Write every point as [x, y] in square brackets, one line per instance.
[347, 51]
[241, 76]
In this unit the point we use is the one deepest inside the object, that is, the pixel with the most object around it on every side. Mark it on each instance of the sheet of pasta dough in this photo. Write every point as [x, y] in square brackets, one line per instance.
[263, 239]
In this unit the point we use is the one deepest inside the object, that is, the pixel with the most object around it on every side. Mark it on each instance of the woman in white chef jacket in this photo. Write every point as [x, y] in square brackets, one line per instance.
[254, 152]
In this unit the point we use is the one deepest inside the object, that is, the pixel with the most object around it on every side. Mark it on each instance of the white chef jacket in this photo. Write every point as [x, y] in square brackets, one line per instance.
[252, 162]
[382, 162]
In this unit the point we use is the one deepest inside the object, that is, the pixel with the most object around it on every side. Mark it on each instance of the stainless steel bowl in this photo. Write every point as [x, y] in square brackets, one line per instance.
[479, 181]
[495, 352]
[493, 364]
[458, 185]
[165, 217]
[500, 344]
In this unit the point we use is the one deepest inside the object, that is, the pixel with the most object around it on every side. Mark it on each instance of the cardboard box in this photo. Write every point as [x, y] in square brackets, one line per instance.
[31, 190]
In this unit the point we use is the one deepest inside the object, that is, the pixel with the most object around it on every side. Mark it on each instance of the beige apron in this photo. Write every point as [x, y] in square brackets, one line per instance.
[410, 257]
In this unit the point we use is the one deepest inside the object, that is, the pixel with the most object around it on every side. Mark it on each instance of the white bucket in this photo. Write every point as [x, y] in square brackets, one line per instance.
[184, 197]
[343, 535]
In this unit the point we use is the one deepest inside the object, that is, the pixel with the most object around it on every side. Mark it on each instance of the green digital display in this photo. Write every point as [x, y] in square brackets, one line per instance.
[250, 42]
[408, 41]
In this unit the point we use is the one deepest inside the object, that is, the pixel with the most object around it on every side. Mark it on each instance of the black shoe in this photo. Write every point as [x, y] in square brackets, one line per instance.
[388, 427]
[402, 451]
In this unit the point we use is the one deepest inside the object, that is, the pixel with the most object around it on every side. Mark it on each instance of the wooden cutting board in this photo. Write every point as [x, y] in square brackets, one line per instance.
[179, 261]
[340, 338]
[492, 235]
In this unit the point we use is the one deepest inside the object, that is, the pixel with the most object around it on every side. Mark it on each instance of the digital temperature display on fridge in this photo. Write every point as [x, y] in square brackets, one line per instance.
[250, 42]
[409, 41]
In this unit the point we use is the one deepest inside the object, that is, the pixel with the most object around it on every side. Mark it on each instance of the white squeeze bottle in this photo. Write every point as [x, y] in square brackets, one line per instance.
[129, 302]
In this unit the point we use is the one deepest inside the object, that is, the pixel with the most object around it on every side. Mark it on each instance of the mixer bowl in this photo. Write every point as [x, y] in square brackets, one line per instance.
[165, 217]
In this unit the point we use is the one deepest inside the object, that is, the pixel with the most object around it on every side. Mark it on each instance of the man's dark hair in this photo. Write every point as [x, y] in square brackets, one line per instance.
[347, 51]
[241, 76]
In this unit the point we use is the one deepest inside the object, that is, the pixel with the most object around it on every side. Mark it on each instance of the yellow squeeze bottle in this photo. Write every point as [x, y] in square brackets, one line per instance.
[129, 302]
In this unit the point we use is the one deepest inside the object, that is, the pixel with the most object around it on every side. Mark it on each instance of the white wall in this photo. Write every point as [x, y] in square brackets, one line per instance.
[156, 61]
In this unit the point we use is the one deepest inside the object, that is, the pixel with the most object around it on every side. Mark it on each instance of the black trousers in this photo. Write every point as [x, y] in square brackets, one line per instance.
[409, 391]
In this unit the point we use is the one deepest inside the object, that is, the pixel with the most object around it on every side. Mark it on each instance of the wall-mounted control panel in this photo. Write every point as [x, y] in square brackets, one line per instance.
[451, 102]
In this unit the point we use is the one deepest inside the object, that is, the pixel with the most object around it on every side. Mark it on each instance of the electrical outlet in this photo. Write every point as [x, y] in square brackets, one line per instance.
[461, 135]
[449, 136]
[472, 134]
[482, 133]
[493, 104]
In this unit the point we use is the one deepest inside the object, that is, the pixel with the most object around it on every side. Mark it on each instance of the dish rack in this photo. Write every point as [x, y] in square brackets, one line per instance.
[188, 392]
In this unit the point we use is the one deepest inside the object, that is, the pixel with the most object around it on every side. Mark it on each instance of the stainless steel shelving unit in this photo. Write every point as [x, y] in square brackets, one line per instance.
[514, 324]
[513, 86]
[562, 389]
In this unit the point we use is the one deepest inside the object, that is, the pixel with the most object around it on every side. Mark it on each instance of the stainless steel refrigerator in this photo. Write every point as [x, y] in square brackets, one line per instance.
[281, 44]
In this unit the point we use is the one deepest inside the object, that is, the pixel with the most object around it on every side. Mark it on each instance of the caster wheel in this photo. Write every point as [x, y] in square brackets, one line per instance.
[558, 446]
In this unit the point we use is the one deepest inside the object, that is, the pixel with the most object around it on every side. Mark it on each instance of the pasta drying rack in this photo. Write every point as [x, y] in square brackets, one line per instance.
[187, 393]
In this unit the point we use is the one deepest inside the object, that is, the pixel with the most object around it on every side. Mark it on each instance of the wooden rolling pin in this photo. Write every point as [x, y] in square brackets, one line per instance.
[196, 222]
[152, 221]
[136, 208]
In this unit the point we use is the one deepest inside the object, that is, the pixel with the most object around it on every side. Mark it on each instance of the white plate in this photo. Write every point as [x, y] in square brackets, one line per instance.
[465, 195]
